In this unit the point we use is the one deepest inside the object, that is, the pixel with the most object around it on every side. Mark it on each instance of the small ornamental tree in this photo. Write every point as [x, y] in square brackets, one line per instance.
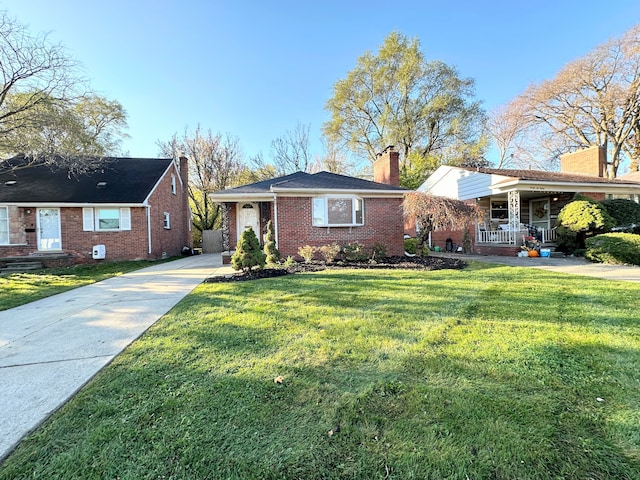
[248, 253]
[584, 218]
[270, 250]
[432, 213]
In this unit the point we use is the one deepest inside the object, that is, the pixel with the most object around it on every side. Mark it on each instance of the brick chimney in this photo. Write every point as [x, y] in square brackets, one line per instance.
[386, 168]
[589, 161]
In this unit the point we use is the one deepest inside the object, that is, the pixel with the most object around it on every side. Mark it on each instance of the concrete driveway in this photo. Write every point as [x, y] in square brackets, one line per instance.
[50, 348]
[572, 265]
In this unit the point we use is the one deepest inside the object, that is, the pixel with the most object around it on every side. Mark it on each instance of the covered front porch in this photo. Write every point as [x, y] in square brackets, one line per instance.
[513, 217]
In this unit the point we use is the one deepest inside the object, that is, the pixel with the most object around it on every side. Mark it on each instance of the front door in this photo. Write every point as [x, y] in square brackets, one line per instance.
[539, 213]
[49, 229]
[248, 216]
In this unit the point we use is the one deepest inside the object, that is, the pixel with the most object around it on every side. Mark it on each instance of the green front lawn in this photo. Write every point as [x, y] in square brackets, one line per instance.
[491, 372]
[20, 288]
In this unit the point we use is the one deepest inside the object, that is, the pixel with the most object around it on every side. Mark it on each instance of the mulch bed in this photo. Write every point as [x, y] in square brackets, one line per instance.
[405, 263]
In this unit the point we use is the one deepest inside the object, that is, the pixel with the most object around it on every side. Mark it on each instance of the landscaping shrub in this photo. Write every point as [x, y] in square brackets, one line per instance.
[378, 251]
[353, 251]
[626, 214]
[271, 252]
[410, 245]
[307, 253]
[614, 248]
[584, 218]
[248, 253]
[330, 252]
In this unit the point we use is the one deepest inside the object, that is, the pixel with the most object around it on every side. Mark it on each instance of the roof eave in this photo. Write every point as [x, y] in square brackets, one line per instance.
[307, 192]
[531, 185]
[242, 197]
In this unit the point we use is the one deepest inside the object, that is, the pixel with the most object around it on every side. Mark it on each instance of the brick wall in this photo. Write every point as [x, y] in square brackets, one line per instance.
[121, 245]
[590, 161]
[383, 224]
[169, 241]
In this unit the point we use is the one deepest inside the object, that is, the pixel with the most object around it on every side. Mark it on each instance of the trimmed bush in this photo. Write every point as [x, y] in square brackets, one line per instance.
[626, 214]
[330, 252]
[271, 252]
[619, 248]
[353, 251]
[248, 253]
[307, 253]
[410, 245]
[585, 218]
[378, 251]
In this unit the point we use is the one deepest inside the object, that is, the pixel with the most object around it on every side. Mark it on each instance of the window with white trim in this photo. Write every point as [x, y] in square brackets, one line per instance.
[4, 225]
[167, 221]
[106, 219]
[338, 211]
[173, 184]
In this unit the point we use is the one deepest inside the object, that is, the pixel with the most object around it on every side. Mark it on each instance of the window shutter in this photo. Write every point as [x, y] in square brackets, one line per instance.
[125, 219]
[87, 219]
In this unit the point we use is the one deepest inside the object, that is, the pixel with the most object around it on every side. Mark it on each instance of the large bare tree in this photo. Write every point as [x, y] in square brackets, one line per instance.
[594, 100]
[291, 152]
[215, 163]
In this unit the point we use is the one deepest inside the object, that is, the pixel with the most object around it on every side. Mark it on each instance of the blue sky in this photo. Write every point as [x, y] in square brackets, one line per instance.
[254, 69]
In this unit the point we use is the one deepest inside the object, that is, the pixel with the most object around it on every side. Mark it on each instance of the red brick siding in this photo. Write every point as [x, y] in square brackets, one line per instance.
[120, 245]
[171, 241]
[383, 224]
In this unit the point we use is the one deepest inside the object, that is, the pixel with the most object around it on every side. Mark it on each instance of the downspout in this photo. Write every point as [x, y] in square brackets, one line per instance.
[149, 227]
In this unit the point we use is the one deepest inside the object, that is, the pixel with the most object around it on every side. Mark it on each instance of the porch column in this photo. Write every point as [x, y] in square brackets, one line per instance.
[513, 199]
[226, 208]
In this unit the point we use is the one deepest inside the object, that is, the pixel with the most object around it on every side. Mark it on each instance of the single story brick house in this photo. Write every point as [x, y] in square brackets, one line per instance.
[517, 202]
[129, 208]
[320, 209]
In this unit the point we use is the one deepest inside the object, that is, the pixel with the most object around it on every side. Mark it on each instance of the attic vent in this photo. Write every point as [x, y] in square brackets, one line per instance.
[10, 182]
[101, 184]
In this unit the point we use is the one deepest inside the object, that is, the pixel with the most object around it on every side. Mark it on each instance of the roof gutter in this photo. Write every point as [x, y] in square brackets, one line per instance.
[308, 192]
[504, 187]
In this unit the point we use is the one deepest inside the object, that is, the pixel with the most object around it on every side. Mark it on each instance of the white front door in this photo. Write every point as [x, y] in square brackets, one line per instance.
[49, 229]
[248, 216]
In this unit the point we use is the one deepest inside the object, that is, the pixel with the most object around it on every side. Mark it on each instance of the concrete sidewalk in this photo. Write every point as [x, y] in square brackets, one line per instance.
[50, 348]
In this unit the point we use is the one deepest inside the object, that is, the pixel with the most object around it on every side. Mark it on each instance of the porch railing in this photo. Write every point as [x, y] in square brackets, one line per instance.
[504, 236]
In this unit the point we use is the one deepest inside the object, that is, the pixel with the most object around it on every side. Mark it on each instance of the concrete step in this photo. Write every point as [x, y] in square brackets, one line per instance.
[21, 267]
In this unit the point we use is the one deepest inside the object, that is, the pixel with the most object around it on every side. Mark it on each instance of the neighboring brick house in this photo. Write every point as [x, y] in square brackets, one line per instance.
[131, 208]
[320, 209]
[517, 202]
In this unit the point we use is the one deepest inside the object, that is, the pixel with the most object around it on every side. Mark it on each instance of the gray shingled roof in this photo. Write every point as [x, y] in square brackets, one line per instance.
[315, 181]
[128, 180]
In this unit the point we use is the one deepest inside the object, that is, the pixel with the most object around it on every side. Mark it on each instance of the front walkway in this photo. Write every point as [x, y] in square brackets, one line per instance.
[50, 348]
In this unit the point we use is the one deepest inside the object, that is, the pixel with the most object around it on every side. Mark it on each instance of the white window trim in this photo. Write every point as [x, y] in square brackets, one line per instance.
[167, 221]
[91, 219]
[8, 242]
[174, 187]
[325, 199]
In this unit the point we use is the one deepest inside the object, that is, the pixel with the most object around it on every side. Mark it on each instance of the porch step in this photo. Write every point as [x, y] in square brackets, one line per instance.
[15, 267]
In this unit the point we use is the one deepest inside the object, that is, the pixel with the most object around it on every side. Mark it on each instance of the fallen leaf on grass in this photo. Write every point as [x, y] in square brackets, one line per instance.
[278, 380]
